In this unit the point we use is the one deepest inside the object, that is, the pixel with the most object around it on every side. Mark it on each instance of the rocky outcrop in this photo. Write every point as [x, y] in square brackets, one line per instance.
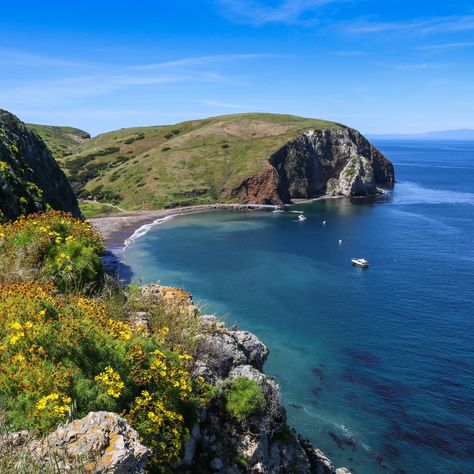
[104, 443]
[336, 161]
[99, 443]
[30, 179]
[263, 443]
[263, 188]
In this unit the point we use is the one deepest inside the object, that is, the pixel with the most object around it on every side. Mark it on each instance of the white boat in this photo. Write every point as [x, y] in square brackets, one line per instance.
[360, 262]
[302, 217]
[279, 209]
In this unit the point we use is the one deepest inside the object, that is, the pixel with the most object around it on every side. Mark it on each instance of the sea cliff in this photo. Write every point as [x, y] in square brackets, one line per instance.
[319, 162]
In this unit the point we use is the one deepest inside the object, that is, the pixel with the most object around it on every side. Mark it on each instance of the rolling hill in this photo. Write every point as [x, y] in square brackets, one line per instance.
[260, 158]
[60, 140]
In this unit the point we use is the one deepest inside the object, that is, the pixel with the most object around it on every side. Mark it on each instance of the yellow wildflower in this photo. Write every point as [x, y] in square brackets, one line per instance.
[112, 381]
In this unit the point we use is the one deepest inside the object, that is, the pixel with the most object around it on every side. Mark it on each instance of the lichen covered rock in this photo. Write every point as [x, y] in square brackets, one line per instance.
[104, 442]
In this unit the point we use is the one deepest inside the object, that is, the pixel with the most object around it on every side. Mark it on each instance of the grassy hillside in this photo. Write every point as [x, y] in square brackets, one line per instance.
[60, 140]
[30, 179]
[192, 162]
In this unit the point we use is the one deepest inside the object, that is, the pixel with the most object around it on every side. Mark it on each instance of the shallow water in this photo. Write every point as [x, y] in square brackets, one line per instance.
[376, 366]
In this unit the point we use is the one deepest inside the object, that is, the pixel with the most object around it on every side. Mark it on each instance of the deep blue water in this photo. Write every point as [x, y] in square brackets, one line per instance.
[376, 366]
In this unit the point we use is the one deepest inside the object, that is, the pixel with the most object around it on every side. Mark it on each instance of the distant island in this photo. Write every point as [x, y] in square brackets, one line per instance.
[460, 134]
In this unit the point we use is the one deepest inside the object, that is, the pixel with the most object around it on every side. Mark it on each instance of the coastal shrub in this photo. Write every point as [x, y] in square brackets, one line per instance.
[52, 246]
[63, 356]
[182, 324]
[244, 398]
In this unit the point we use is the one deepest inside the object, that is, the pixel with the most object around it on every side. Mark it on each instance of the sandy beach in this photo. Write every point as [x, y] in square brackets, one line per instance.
[116, 228]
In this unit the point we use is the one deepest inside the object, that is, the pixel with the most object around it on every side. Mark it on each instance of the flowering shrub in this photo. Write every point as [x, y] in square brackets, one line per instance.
[62, 356]
[54, 246]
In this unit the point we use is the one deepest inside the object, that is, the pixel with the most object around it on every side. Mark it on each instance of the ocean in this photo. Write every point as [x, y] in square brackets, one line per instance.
[376, 366]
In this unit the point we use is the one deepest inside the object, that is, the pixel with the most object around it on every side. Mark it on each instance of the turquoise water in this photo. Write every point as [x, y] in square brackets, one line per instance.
[376, 366]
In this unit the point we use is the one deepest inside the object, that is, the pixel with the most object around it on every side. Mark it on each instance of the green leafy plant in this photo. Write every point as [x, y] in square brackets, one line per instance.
[244, 398]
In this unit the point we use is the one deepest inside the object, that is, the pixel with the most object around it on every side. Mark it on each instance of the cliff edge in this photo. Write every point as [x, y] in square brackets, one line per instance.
[330, 162]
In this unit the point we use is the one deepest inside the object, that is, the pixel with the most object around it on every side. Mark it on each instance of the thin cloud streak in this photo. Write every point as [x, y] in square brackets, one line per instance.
[447, 24]
[408, 67]
[435, 47]
[350, 53]
[10, 57]
[203, 61]
[256, 13]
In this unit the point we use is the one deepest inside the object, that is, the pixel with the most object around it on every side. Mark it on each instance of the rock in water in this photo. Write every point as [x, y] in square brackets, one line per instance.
[30, 179]
[105, 441]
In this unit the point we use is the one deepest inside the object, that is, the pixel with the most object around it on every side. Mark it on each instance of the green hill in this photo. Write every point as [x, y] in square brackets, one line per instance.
[60, 140]
[30, 179]
[229, 158]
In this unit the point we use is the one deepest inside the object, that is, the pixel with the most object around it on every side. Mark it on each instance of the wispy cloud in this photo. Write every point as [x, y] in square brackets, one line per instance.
[349, 53]
[408, 67]
[11, 57]
[223, 105]
[62, 91]
[440, 47]
[256, 12]
[445, 24]
[93, 80]
[202, 61]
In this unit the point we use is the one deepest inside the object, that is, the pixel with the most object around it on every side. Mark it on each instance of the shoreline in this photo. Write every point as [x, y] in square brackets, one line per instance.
[116, 229]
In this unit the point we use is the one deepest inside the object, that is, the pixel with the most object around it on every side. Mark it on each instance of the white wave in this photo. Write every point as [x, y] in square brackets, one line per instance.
[407, 193]
[345, 430]
[141, 231]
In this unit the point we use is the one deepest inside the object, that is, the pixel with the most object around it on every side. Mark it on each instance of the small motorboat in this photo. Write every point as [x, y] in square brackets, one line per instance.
[279, 208]
[324, 222]
[360, 262]
[302, 217]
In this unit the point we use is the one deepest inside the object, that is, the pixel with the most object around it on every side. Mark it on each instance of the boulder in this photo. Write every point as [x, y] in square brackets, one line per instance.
[104, 441]
[255, 351]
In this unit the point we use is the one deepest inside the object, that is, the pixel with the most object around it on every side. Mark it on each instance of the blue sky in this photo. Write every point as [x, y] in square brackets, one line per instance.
[386, 66]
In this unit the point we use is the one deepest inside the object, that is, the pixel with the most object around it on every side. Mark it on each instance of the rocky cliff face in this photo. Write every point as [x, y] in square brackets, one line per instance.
[219, 443]
[30, 179]
[319, 162]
